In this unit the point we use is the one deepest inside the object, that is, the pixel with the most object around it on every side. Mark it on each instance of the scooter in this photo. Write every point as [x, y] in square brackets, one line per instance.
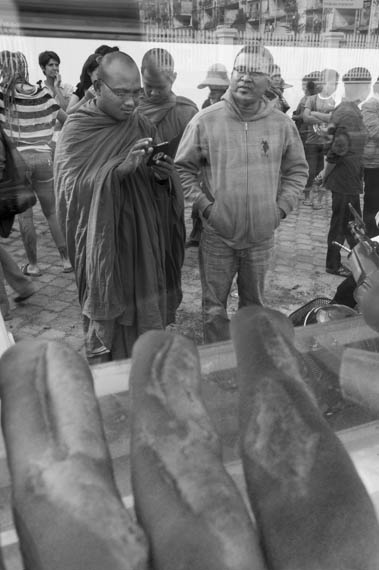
[358, 293]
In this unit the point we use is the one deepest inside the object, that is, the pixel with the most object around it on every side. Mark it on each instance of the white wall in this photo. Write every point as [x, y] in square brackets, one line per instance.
[192, 60]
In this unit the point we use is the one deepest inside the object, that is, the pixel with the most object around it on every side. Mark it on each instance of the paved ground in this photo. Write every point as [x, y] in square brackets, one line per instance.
[297, 275]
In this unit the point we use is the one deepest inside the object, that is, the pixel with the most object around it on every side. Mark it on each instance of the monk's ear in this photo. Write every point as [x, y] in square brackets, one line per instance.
[173, 77]
[97, 85]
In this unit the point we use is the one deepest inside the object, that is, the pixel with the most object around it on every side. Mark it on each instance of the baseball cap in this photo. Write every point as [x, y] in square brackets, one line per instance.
[217, 76]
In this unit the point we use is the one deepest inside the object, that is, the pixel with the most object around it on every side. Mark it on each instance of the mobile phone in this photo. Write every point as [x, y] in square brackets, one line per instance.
[159, 151]
[168, 147]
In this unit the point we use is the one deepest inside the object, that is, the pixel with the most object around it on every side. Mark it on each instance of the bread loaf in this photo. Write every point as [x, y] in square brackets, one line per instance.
[188, 505]
[311, 507]
[67, 511]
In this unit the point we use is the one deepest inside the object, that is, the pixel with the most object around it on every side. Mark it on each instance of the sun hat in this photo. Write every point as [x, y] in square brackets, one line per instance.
[217, 76]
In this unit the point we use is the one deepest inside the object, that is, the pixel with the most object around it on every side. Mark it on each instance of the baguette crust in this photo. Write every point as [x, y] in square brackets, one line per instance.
[67, 510]
[187, 503]
[311, 506]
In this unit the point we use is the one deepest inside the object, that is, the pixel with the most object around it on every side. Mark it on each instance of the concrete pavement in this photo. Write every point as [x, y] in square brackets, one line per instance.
[297, 274]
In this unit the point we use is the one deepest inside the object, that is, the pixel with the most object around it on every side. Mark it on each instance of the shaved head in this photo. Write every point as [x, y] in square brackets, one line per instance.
[158, 60]
[114, 63]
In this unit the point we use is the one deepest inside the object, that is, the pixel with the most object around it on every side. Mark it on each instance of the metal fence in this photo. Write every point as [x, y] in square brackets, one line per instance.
[188, 35]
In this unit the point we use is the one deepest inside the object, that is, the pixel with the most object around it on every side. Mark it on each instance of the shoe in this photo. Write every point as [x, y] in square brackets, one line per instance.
[21, 298]
[307, 202]
[342, 271]
[68, 269]
[26, 271]
[317, 206]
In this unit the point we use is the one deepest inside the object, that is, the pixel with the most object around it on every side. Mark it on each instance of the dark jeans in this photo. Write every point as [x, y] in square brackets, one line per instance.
[371, 200]
[339, 229]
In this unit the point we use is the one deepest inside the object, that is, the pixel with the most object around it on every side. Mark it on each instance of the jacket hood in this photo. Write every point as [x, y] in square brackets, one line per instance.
[265, 108]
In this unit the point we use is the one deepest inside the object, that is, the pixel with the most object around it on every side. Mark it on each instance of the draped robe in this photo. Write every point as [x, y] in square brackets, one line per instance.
[113, 228]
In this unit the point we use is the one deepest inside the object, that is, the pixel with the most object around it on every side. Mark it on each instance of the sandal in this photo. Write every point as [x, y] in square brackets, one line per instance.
[342, 271]
[25, 270]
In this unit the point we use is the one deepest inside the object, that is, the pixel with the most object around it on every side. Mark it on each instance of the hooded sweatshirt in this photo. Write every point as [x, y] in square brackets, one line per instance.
[250, 169]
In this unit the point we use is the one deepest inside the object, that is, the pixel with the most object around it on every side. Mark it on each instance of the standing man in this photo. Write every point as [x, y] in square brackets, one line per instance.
[370, 115]
[170, 114]
[107, 206]
[252, 168]
[343, 172]
[49, 62]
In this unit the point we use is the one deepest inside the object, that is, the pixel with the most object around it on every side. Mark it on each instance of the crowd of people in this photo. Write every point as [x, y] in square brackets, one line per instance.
[115, 204]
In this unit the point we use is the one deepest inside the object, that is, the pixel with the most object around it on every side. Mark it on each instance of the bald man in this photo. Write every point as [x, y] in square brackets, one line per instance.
[170, 113]
[107, 200]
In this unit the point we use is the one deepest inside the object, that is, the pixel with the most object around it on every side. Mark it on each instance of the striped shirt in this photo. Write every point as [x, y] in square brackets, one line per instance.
[31, 120]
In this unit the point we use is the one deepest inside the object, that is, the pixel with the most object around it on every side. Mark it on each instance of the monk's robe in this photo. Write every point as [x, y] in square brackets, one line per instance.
[171, 117]
[113, 228]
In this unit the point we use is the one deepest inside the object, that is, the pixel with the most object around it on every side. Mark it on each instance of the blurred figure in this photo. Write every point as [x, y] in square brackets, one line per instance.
[85, 90]
[49, 62]
[28, 114]
[217, 81]
[310, 86]
[170, 113]
[317, 114]
[343, 171]
[276, 89]
[252, 168]
[370, 161]
[9, 270]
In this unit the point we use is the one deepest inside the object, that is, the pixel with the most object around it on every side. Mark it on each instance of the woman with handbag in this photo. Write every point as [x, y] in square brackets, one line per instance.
[28, 114]
[9, 270]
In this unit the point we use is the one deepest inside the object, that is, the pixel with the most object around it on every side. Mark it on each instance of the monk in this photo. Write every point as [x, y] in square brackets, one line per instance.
[107, 201]
[170, 113]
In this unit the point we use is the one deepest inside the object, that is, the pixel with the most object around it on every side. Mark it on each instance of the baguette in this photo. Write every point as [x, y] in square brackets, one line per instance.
[188, 505]
[311, 507]
[67, 511]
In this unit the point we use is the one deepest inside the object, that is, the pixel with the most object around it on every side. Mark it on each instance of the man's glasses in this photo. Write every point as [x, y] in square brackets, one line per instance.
[122, 93]
[245, 70]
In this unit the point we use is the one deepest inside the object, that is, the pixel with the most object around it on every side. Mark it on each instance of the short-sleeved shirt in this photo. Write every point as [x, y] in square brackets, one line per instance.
[321, 105]
[30, 120]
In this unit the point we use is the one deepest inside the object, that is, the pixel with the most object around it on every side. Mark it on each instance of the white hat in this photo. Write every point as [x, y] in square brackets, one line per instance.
[217, 76]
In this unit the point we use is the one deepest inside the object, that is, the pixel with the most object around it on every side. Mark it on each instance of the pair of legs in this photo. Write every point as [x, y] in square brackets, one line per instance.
[371, 200]
[40, 166]
[339, 229]
[10, 271]
[314, 153]
[219, 263]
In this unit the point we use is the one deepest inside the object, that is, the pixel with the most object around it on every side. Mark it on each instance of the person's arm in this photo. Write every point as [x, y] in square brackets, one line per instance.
[294, 171]
[188, 164]
[61, 116]
[74, 100]
[370, 115]
[60, 94]
[315, 117]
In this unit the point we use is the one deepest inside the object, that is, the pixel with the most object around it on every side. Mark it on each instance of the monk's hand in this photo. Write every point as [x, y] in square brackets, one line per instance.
[137, 154]
[308, 507]
[163, 168]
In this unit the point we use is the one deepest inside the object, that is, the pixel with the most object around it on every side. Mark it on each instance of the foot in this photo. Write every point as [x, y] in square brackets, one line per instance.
[31, 269]
[342, 271]
[67, 267]
[24, 296]
[307, 202]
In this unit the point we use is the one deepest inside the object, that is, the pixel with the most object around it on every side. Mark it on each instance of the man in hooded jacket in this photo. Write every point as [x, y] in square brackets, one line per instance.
[253, 169]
